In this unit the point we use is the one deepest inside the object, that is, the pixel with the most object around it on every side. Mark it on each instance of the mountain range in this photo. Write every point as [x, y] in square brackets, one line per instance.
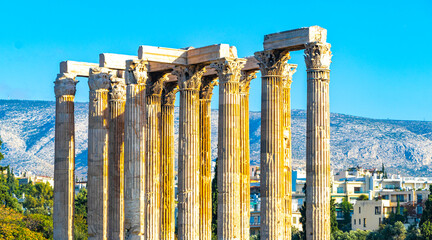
[404, 147]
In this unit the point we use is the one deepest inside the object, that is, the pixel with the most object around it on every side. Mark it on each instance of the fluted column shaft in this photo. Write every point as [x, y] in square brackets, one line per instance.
[189, 80]
[168, 161]
[245, 155]
[229, 72]
[286, 119]
[98, 131]
[116, 159]
[64, 160]
[153, 164]
[135, 119]
[317, 58]
[205, 190]
[272, 64]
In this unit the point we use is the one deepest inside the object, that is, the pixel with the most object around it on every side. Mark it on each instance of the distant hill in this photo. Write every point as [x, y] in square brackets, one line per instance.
[405, 147]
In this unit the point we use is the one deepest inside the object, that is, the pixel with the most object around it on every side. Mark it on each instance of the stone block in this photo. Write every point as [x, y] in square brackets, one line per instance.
[80, 69]
[295, 39]
[251, 64]
[210, 53]
[114, 61]
[163, 55]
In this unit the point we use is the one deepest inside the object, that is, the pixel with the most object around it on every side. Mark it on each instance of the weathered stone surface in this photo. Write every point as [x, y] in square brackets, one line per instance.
[168, 161]
[152, 218]
[64, 160]
[79, 69]
[286, 124]
[295, 39]
[205, 198]
[135, 121]
[189, 81]
[272, 64]
[163, 55]
[210, 53]
[229, 73]
[98, 132]
[117, 99]
[246, 78]
[318, 58]
[115, 61]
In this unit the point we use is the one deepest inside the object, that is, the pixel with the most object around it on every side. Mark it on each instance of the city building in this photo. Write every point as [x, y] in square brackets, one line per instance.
[369, 214]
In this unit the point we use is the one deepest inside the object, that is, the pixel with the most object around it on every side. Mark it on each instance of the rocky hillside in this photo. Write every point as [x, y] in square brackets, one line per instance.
[405, 147]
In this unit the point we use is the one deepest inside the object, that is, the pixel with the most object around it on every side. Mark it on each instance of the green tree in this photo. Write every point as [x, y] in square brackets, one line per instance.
[38, 198]
[346, 208]
[1, 154]
[427, 211]
[363, 197]
[395, 217]
[395, 231]
[414, 233]
[303, 216]
[426, 218]
[80, 223]
[214, 203]
[333, 221]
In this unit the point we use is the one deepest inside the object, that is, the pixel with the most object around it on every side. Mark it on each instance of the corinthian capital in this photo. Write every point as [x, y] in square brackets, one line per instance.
[272, 62]
[117, 89]
[318, 55]
[169, 93]
[207, 85]
[99, 79]
[287, 74]
[136, 72]
[245, 79]
[228, 70]
[155, 83]
[65, 84]
[189, 77]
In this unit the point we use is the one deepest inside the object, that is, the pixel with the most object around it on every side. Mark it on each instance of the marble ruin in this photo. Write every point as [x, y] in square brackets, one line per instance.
[131, 161]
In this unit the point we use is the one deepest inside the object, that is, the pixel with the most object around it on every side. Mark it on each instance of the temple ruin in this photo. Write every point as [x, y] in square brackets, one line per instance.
[131, 161]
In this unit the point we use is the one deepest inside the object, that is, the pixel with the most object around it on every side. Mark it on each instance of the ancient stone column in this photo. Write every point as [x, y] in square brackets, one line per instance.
[205, 190]
[189, 80]
[97, 177]
[228, 180]
[286, 123]
[245, 80]
[64, 160]
[117, 99]
[318, 59]
[152, 172]
[135, 119]
[168, 160]
[272, 63]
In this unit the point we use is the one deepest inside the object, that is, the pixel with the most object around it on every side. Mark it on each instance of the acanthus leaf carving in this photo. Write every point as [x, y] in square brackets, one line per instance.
[99, 79]
[272, 62]
[189, 77]
[207, 85]
[169, 93]
[245, 80]
[287, 74]
[317, 55]
[136, 71]
[117, 89]
[155, 83]
[228, 70]
[65, 84]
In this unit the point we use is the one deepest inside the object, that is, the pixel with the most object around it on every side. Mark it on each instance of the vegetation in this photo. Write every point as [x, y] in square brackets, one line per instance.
[363, 197]
[346, 208]
[214, 203]
[32, 218]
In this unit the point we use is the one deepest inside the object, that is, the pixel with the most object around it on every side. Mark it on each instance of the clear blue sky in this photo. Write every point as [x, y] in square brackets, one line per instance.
[382, 64]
